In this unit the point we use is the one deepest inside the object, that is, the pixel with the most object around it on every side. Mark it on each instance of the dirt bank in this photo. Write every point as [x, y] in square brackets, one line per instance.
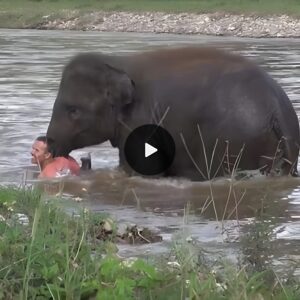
[183, 23]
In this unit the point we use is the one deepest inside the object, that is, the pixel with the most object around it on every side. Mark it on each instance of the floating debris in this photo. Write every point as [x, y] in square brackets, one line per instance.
[131, 234]
[139, 235]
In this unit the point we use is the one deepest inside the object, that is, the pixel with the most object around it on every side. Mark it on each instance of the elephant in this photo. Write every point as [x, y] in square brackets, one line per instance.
[224, 112]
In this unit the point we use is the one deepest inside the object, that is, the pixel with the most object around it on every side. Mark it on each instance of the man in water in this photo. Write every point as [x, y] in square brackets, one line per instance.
[51, 166]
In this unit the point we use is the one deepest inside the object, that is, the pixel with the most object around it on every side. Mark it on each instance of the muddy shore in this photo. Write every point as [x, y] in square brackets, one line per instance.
[218, 24]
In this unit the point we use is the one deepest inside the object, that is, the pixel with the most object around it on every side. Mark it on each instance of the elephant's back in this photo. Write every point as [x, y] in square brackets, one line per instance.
[164, 62]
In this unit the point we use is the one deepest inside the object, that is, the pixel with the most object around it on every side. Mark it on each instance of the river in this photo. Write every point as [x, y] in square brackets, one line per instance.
[31, 63]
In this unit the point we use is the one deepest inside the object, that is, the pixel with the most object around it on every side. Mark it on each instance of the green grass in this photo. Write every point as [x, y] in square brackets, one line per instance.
[56, 255]
[23, 13]
[269, 6]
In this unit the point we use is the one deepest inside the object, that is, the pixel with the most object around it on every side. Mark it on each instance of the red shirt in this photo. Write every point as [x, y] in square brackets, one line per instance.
[61, 166]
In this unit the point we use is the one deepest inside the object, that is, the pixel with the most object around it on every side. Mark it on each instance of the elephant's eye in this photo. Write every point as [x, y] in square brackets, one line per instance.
[73, 111]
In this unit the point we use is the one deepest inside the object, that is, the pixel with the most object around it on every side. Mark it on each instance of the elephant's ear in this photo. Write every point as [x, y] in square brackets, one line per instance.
[120, 87]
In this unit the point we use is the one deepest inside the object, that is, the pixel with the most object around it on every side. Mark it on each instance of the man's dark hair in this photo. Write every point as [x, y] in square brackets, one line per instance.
[44, 139]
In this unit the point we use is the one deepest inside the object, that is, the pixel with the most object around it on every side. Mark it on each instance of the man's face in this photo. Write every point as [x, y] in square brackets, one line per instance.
[39, 152]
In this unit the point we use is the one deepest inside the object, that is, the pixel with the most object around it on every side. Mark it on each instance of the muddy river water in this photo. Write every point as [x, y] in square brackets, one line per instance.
[30, 68]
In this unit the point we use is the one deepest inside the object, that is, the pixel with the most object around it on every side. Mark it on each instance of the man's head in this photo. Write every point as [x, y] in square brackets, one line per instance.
[40, 152]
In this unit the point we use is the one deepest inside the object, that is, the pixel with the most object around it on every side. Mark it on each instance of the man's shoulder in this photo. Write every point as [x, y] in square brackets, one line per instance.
[70, 163]
[59, 160]
[63, 160]
[61, 166]
[50, 170]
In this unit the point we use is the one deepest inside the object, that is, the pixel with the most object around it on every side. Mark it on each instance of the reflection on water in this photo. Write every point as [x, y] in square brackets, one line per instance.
[30, 68]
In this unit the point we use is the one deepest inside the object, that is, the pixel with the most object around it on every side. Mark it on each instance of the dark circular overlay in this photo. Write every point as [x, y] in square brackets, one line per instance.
[157, 140]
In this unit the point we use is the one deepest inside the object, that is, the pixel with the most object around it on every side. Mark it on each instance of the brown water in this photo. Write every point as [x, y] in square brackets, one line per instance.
[30, 68]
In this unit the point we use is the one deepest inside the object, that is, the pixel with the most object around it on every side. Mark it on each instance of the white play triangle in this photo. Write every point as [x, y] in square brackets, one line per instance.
[149, 150]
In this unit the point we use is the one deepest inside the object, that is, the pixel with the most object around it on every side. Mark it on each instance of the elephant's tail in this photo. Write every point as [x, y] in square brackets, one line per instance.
[287, 152]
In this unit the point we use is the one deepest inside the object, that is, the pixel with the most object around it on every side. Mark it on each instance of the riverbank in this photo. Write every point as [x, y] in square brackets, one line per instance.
[241, 18]
[218, 24]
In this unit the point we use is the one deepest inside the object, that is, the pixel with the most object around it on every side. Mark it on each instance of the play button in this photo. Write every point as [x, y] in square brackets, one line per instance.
[149, 150]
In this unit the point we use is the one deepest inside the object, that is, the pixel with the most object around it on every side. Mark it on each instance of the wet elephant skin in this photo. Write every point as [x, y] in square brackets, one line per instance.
[223, 111]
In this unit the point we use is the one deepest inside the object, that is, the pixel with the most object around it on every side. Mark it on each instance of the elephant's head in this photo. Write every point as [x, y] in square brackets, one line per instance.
[91, 97]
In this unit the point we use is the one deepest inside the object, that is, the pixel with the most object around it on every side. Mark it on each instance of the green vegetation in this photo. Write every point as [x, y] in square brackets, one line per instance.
[47, 253]
[197, 6]
[23, 13]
